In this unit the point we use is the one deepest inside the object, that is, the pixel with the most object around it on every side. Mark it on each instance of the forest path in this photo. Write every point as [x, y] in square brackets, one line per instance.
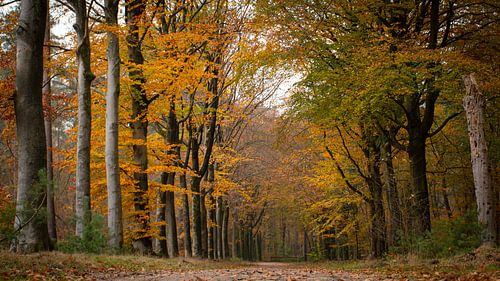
[254, 271]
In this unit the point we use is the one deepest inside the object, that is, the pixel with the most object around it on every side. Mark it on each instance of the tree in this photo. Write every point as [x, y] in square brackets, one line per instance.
[85, 78]
[47, 95]
[134, 11]
[474, 108]
[115, 228]
[30, 222]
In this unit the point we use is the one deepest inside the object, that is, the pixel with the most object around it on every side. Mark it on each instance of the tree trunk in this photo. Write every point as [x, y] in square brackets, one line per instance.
[225, 233]
[304, 245]
[392, 194]
[134, 11]
[32, 151]
[420, 217]
[171, 140]
[420, 206]
[85, 78]
[234, 239]
[47, 93]
[446, 200]
[172, 244]
[195, 188]
[115, 227]
[162, 219]
[204, 224]
[187, 221]
[212, 236]
[474, 103]
[219, 217]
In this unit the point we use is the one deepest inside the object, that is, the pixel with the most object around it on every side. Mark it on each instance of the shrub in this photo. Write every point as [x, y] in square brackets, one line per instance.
[93, 241]
[447, 238]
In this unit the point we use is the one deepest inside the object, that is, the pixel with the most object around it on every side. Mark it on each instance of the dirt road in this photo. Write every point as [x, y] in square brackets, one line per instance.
[257, 271]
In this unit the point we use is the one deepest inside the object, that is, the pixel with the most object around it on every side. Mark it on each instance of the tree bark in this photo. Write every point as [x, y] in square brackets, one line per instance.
[85, 78]
[219, 216]
[32, 151]
[420, 217]
[187, 220]
[392, 194]
[161, 216]
[47, 93]
[115, 227]
[225, 233]
[171, 139]
[134, 11]
[474, 103]
[204, 224]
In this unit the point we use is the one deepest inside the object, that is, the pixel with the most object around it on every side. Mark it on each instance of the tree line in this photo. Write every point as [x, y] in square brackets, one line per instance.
[160, 116]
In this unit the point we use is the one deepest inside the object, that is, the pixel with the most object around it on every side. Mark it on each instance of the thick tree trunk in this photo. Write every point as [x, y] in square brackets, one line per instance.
[474, 103]
[420, 206]
[134, 11]
[47, 93]
[85, 78]
[115, 227]
[420, 217]
[32, 151]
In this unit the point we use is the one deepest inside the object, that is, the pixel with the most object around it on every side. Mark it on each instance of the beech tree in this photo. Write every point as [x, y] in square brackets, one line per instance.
[115, 228]
[30, 222]
[84, 81]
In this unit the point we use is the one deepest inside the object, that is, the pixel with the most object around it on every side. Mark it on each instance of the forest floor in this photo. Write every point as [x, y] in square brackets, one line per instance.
[59, 266]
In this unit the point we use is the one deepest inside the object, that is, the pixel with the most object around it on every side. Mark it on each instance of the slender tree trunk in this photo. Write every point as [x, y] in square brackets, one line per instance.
[187, 220]
[474, 103]
[243, 243]
[85, 78]
[134, 11]
[171, 140]
[204, 224]
[219, 217]
[195, 188]
[234, 239]
[162, 218]
[115, 227]
[32, 150]
[225, 233]
[304, 245]
[212, 236]
[446, 200]
[47, 93]
[392, 194]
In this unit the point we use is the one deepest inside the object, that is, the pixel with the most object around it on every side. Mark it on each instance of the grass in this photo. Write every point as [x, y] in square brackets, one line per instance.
[61, 266]
[482, 264]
